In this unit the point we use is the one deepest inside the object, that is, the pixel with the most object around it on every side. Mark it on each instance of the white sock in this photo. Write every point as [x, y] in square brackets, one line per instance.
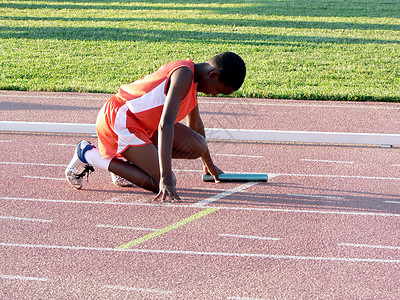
[94, 158]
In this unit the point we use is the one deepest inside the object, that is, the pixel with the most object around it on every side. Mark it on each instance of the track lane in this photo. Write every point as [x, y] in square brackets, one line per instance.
[334, 228]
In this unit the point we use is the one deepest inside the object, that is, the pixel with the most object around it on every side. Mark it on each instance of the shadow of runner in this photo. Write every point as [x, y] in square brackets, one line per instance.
[332, 199]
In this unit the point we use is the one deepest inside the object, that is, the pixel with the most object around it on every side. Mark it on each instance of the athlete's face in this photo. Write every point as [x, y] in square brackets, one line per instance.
[211, 85]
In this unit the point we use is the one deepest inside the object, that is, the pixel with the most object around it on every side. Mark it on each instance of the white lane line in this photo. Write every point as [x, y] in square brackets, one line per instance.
[202, 189]
[127, 288]
[40, 177]
[5, 141]
[337, 176]
[225, 194]
[25, 219]
[250, 237]
[224, 254]
[328, 161]
[125, 227]
[30, 164]
[15, 277]
[68, 145]
[245, 298]
[393, 202]
[190, 171]
[316, 196]
[237, 172]
[370, 246]
[396, 165]
[237, 155]
[143, 202]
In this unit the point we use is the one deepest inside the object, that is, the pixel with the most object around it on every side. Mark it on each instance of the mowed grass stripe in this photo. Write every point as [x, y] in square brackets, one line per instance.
[298, 50]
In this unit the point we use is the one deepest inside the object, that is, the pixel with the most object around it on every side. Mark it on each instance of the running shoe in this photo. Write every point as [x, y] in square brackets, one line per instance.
[120, 181]
[79, 167]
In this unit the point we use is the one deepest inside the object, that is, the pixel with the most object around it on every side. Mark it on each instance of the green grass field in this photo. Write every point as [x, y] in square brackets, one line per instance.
[294, 49]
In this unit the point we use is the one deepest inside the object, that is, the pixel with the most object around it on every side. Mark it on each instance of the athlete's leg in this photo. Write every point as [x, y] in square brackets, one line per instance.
[188, 144]
[142, 169]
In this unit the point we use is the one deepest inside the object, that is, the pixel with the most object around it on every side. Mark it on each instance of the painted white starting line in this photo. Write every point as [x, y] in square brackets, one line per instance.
[336, 176]
[25, 219]
[316, 196]
[393, 202]
[31, 164]
[250, 237]
[245, 298]
[223, 254]
[15, 277]
[327, 161]
[142, 290]
[41, 177]
[237, 155]
[67, 145]
[370, 246]
[126, 227]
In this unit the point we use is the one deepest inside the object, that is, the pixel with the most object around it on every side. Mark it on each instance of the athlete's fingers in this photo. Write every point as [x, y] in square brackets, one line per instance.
[165, 194]
[175, 196]
[156, 198]
[215, 175]
[178, 198]
[171, 196]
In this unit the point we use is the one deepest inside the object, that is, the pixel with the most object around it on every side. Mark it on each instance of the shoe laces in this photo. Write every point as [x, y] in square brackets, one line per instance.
[86, 171]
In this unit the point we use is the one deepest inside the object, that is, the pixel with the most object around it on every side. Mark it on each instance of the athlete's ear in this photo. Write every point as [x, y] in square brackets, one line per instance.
[214, 74]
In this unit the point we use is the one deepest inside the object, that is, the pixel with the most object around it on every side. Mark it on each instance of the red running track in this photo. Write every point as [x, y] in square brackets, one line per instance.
[326, 225]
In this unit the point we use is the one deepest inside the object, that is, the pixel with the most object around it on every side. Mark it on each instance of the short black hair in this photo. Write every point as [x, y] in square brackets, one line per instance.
[231, 67]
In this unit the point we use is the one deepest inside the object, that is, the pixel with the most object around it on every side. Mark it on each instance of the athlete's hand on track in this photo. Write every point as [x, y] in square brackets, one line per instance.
[168, 192]
[214, 171]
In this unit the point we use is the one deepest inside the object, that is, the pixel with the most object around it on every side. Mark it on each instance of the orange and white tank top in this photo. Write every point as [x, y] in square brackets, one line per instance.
[145, 97]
